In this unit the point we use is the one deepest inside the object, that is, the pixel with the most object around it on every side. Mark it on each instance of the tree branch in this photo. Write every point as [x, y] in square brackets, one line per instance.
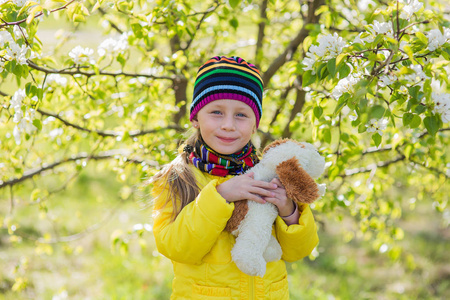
[371, 167]
[433, 169]
[133, 133]
[205, 13]
[45, 167]
[113, 25]
[89, 74]
[298, 106]
[282, 102]
[278, 62]
[5, 24]
[261, 34]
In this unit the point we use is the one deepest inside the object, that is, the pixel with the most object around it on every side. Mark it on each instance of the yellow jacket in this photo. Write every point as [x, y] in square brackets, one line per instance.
[200, 249]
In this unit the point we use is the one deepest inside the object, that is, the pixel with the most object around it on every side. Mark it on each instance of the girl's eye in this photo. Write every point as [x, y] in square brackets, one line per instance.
[241, 115]
[216, 112]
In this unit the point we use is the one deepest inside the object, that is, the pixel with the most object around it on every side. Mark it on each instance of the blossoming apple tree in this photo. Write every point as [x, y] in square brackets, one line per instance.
[365, 81]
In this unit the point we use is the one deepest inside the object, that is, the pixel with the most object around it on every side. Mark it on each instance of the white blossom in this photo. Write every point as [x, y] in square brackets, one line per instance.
[386, 80]
[56, 79]
[377, 125]
[417, 75]
[114, 46]
[402, 45]
[20, 3]
[24, 119]
[17, 53]
[5, 37]
[16, 134]
[55, 133]
[374, 29]
[410, 8]
[81, 55]
[2, 66]
[442, 106]
[436, 39]
[354, 116]
[345, 85]
[382, 28]
[329, 47]
[309, 62]
[16, 104]
[34, 54]
[19, 33]
[362, 40]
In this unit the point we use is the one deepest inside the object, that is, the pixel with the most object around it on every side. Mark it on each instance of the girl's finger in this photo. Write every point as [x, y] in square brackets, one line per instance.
[262, 192]
[265, 185]
[277, 182]
[249, 174]
[272, 200]
[256, 198]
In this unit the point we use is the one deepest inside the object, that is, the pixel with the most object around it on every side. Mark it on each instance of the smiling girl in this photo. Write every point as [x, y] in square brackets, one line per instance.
[195, 193]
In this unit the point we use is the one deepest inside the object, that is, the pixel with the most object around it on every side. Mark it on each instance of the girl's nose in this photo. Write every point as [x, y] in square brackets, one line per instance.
[228, 124]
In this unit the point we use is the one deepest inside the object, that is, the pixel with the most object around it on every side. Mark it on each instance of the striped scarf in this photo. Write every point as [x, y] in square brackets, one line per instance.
[207, 160]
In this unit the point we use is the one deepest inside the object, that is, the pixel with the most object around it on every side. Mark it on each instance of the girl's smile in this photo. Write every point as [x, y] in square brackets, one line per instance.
[226, 125]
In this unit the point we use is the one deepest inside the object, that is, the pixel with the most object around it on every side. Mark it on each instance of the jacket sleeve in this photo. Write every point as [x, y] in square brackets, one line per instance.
[189, 237]
[297, 240]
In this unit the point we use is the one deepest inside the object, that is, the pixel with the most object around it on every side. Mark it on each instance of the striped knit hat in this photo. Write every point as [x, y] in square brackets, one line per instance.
[232, 78]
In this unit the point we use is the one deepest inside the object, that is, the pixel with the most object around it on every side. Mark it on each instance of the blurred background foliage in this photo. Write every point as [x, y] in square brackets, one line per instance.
[94, 96]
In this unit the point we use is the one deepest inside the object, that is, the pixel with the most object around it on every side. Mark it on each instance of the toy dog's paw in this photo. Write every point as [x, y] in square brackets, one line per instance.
[273, 251]
[250, 264]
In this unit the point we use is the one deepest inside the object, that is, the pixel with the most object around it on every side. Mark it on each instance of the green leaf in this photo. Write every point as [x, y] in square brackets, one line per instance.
[376, 137]
[344, 71]
[420, 109]
[422, 37]
[339, 58]
[341, 103]
[234, 23]
[362, 128]
[431, 124]
[327, 135]
[322, 71]
[416, 121]
[308, 78]
[408, 150]
[408, 50]
[28, 88]
[407, 118]
[318, 111]
[234, 3]
[377, 112]
[121, 60]
[137, 30]
[38, 124]
[333, 172]
[414, 92]
[331, 66]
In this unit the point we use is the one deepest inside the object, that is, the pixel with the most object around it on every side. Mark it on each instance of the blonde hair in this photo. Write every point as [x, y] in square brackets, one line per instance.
[180, 179]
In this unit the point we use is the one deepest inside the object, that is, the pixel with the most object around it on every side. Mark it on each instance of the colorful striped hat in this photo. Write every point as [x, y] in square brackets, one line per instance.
[232, 78]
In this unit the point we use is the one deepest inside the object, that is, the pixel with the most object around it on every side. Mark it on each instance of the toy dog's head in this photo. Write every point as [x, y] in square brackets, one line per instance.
[296, 164]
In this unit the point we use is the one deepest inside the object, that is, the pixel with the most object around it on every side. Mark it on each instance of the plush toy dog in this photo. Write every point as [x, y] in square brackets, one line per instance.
[295, 164]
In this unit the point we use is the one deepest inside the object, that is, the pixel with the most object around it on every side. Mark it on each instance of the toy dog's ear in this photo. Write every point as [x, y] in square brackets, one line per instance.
[239, 212]
[299, 186]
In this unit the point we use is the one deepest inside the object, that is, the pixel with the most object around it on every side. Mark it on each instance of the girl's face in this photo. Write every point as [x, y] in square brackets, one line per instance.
[226, 125]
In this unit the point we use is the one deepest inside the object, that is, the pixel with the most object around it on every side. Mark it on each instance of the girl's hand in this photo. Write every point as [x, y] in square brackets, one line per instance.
[280, 200]
[244, 187]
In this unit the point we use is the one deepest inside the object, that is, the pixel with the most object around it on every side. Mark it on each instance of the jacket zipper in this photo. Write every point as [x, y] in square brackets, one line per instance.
[252, 290]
